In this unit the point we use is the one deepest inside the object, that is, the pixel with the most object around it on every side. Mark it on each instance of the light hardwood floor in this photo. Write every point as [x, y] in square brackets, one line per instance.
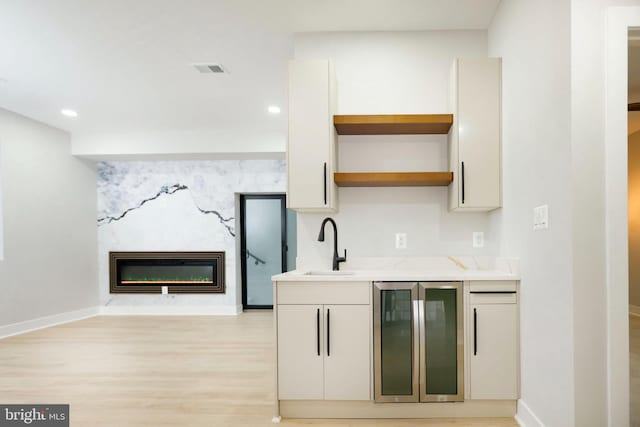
[160, 371]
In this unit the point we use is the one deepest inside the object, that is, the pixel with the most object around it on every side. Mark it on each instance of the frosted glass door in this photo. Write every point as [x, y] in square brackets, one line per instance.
[441, 342]
[264, 240]
[396, 362]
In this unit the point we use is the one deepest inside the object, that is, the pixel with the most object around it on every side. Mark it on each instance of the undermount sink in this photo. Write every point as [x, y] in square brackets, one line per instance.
[329, 273]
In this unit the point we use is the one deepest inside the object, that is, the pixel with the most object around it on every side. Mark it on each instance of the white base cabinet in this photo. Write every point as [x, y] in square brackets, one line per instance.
[324, 350]
[493, 345]
[300, 360]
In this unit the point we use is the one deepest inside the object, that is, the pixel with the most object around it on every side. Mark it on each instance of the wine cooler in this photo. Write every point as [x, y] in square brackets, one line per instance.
[418, 342]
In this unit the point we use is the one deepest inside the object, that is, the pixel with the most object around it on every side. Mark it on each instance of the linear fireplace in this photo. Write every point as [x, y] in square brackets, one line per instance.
[180, 272]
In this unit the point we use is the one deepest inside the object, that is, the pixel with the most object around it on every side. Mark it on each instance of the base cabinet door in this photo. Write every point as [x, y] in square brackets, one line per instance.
[347, 369]
[300, 352]
[493, 351]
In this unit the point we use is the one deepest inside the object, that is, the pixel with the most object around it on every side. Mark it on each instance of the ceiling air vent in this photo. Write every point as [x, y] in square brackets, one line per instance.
[209, 68]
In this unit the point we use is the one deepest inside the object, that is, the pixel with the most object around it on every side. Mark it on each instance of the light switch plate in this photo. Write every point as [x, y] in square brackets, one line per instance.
[478, 239]
[541, 217]
[401, 240]
[165, 290]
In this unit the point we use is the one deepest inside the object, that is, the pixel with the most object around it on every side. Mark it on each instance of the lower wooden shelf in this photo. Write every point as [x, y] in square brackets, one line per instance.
[393, 179]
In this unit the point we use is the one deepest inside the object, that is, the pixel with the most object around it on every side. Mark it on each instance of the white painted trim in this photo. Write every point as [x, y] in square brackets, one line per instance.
[634, 310]
[171, 310]
[525, 416]
[47, 321]
[619, 19]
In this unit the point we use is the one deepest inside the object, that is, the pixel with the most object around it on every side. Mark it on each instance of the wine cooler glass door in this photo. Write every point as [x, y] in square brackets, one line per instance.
[441, 342]
[395, 306]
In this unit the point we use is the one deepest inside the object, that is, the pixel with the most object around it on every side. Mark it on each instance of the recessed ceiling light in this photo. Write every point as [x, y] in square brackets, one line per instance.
[69, 113]
[273, 109]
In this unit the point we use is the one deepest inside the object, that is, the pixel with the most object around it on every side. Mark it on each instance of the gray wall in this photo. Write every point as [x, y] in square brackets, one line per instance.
[49, 214]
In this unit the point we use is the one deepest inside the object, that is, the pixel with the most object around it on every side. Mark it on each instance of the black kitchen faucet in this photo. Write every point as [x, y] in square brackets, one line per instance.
[336, 259]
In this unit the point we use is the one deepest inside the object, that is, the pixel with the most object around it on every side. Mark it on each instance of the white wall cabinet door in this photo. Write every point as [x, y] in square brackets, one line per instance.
[475, 137]
[347, 369]
[493, 351]
[312, 137]
[300, 352]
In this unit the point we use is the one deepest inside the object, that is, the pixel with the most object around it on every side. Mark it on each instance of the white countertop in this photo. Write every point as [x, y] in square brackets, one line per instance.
[395, 276]
[424, 269]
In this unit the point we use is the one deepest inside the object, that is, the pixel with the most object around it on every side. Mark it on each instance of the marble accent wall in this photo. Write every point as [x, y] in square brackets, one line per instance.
[177, 206]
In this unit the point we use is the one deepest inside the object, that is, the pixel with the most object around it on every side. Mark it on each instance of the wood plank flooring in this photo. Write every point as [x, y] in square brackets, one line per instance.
[161, 371]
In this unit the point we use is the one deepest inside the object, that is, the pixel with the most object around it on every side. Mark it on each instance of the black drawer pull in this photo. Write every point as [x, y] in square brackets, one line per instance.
[493, 292]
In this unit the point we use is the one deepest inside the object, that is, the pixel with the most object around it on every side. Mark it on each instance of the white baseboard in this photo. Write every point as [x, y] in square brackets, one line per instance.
[72, 316]
[47, 321]
[169, 310]
[634, 310]
[525, 416]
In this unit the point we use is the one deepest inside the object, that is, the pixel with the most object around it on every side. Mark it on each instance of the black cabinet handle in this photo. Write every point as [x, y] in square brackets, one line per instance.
[463, 183]
[325, 183]
[328, 332]
[318, 331]
[493, 292]
[475, 331]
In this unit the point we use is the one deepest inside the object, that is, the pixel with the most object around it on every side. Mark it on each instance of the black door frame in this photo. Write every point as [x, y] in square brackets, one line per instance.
[243, 241]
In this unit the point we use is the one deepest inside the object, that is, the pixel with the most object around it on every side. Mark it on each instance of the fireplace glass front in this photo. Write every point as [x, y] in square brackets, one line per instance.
[180, 272]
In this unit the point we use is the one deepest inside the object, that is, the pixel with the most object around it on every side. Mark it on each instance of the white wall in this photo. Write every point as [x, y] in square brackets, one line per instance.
[533, 38]
[49, 203]
[199, 217]
[598, 176]
[180, 144]
[392, 73]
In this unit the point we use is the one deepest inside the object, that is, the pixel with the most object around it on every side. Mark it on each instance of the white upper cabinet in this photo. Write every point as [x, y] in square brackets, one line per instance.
[311, 144]
[475, 137]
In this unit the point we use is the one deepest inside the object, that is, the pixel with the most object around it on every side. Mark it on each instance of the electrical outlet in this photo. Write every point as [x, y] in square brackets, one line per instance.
[478, 239]
[165, 290]
[541, 217]
[401, 240]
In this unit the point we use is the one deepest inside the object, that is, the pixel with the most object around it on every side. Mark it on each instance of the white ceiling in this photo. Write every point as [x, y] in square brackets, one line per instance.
[124, 65]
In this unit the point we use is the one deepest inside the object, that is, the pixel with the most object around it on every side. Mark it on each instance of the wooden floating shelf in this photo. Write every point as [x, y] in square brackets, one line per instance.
[393, 179]
[393, 124]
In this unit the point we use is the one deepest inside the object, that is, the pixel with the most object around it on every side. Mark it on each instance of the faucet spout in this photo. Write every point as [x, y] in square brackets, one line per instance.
[336, 259]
